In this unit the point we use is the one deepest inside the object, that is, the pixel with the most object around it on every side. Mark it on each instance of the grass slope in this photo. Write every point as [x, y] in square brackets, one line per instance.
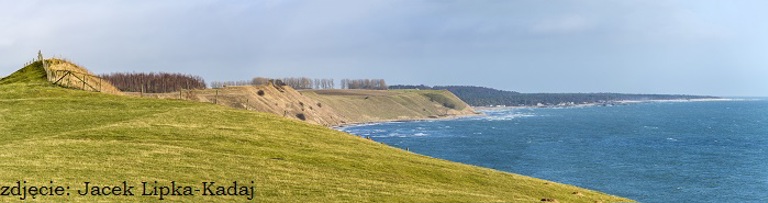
[30, 75]
[70, 136]
[360, 106]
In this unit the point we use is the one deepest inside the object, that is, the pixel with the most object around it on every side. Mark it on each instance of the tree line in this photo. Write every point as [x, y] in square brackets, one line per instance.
[308, 83]
[295, 83]
[154, 82]
[372, 84]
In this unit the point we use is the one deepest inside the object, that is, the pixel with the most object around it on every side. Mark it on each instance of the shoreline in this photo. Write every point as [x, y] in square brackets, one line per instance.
[448, 117]
[481, 109]
[606, 103]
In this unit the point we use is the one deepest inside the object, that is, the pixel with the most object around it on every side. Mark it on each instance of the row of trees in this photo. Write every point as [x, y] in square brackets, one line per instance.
[254, 82]
[373, 84]
[295, 83]
[308, 83]
[154, 82]
[220, 84]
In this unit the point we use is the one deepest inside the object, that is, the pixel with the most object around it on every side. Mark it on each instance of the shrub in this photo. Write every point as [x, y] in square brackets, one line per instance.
[442, 99]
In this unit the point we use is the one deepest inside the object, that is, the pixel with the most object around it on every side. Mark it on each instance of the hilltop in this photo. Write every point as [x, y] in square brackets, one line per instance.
[62, 73]
[70, 136]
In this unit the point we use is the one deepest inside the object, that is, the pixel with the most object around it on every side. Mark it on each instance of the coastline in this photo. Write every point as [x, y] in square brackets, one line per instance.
[481, 109]
[447, 117]
[606, 103]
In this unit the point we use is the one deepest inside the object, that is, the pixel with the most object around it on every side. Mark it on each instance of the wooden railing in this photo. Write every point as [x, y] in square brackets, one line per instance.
[71, 79]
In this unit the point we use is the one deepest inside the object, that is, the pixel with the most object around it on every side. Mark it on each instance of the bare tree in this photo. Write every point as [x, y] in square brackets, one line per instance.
[154, 82]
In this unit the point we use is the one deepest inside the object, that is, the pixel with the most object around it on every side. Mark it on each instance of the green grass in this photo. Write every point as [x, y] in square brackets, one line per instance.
[70, 136]
[33, 74]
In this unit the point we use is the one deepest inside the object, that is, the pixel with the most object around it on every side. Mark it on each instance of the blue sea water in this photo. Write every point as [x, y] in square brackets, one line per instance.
[714, 151]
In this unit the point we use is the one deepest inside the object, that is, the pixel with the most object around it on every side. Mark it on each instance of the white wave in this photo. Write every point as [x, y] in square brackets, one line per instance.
[390, 135]
[672, 139]
[396, 134]
[504, 114]
[345, 127]
[506, 117]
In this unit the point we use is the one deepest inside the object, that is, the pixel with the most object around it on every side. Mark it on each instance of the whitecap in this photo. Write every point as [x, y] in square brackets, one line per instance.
[672, 139]
[506, 117]
[651, 127]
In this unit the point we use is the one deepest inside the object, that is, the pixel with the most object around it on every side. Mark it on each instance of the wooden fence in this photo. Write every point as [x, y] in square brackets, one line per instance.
[71, 79]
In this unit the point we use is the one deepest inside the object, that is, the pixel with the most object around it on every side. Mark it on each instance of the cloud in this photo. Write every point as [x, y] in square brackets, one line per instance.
[562, 25]
[662, 22]
[6, 42]
[232, 40]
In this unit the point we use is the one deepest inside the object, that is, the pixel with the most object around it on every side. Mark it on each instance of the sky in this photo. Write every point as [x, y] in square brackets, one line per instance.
[703, 47]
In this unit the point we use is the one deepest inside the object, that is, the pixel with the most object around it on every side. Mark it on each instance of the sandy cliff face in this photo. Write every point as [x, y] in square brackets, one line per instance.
[280, 100]
[332, 107]
[360, 106]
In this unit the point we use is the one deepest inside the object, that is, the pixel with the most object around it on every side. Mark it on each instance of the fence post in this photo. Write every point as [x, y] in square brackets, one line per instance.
[216, 98]
[45, 65]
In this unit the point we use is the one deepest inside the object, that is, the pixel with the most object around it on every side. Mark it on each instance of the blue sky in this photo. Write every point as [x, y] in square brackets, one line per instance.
[631, 46]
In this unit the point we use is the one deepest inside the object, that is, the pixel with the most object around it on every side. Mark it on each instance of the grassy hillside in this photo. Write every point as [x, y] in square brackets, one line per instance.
[71, 136]
[386, 105]
[29, 75]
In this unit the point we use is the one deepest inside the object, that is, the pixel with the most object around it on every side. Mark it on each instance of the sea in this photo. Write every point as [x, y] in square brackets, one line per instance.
[698, 151]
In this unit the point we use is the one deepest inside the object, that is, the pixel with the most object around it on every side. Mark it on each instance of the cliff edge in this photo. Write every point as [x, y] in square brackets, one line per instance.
[364, 106]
